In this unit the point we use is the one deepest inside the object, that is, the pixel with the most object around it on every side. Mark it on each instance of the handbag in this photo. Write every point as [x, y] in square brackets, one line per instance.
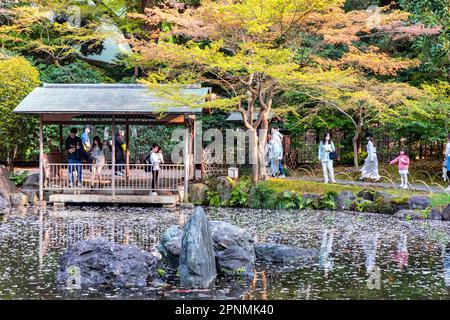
[333, 155]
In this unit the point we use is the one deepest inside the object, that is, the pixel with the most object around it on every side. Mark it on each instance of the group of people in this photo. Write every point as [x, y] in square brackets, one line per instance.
[274, 154]
[81, 149]
[327, 153]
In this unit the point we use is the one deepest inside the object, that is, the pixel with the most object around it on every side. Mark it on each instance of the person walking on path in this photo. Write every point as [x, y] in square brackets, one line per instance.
[403, 165]
[277, 138]
[370, 167]
[326, 156]
[446, 167]
[74, 147]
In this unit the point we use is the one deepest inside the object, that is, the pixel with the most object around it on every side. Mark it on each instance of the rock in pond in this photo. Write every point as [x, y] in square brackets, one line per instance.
[170, 246]
[278, 253]
[198, 193]
[410, 214]
[19, 199]
[446, 213]
[419, 202]
[435, 214]
[99, 262]
[344, 200]
[5, 203]
[226, 235]
[367, 194]
[197, 259]
[235, 261]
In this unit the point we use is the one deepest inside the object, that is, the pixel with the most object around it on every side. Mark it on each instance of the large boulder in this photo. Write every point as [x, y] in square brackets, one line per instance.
[198, 193]
[224, 188]
[197, 259]
[226, 235]
[278, 253]
[344, 200]
[446, 213]
[235, 261]
[19, 199]
[31, 182]
[419, 202]
[6, 185]
[170, 246]
[383, 202]
[99, 262]
[400, 203]
[5, 202]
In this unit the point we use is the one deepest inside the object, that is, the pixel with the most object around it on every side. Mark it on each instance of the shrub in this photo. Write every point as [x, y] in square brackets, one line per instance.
[213, 198]
[240, 192]
[262, 197]
[18, 178]
[328, 201]
[285, 201]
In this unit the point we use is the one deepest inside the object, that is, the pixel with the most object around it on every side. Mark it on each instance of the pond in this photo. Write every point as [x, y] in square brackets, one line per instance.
[362, 256]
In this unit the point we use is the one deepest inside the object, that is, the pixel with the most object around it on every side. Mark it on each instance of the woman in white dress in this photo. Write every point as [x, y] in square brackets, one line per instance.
[370, 167]
[98, 154]
[326, 147]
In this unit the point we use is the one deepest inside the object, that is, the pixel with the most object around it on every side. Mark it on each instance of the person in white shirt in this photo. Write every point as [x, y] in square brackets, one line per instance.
[445, 166]
[370, 167]
[155, 160]
[326, 148]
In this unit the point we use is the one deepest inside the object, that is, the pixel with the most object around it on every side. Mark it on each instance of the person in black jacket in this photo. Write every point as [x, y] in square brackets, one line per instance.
[121, 149]
[74, 149]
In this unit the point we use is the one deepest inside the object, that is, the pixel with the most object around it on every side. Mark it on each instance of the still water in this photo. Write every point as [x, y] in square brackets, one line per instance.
[362, 256]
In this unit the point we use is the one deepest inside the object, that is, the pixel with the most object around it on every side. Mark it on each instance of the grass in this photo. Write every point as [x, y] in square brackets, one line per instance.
[301, 186]
[440, 200]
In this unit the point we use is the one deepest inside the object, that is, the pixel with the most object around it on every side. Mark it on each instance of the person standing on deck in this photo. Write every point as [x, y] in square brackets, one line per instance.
[370, 167]
[98, 154]
[326, 148]
[73, 145]
[155, 160]
[121, 149]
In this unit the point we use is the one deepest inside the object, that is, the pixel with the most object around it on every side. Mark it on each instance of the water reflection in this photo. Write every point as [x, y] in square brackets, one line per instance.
[326, 248]
[353, 252]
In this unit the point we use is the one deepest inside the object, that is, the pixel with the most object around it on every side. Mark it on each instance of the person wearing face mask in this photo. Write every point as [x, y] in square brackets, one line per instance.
[326, 154]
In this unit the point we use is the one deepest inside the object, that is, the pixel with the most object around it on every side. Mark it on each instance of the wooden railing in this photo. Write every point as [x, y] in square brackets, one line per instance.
[102, 177]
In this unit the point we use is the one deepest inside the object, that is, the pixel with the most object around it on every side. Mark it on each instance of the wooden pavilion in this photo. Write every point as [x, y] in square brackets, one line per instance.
[111, 105]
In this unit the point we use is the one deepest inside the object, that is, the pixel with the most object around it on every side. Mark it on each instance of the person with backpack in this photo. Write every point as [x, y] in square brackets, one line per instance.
[326, 154]
[74, 145]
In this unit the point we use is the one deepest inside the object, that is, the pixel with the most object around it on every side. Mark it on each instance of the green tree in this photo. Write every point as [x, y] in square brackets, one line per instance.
[17, 79]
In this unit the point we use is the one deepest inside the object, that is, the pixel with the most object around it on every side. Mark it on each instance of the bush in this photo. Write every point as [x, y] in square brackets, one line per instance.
[213, 198]
[18, 178]
[240, 192]
[328, 201]
[262, 197]
[285, 201]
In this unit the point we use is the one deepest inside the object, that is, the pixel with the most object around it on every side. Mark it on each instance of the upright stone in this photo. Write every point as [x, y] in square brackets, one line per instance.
[197, 260]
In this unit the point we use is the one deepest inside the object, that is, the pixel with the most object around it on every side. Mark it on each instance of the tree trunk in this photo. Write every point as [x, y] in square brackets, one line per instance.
[262, 147]
[253, 155]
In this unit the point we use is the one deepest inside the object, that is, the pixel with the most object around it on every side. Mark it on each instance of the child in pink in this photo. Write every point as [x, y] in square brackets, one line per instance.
[403, 166]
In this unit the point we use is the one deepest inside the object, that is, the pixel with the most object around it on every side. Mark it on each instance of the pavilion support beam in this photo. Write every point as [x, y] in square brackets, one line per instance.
[61, 140]
[186, 159]
[113, 156]
[41, 161]
[127, 152]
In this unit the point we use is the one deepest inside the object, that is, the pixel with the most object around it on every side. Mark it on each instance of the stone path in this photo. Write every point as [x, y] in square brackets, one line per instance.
[413, 187]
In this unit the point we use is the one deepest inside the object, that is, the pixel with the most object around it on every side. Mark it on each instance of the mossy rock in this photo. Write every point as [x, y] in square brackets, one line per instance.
[400, 201]
[367, 194]
[363, 205]
[383, 203]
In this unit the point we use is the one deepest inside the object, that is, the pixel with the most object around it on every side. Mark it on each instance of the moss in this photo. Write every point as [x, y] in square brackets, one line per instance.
[400, 201]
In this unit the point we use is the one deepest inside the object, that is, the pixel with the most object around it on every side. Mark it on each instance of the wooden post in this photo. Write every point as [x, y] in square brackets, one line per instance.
[41, 161]
[127, 151]
[186, 160]
[61, 138]
[113, 156]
